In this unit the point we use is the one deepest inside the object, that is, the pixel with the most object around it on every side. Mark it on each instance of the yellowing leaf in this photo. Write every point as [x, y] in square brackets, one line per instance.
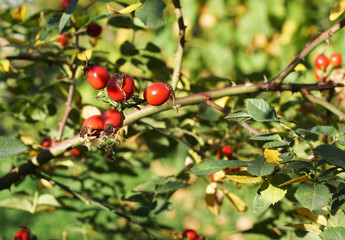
[4, 65]
[15, 41]
[196, 156]
[221, 101]
[337, 10]
[289, 28]
[81, 56]
[300, 68]
[242, 177]
[213, 198]
[305, 227]
[272, 194]
[18, 14]
[125, 10]
[304, 178]
[44, 184]
[306, 215]
[237, 202]
[271, 156]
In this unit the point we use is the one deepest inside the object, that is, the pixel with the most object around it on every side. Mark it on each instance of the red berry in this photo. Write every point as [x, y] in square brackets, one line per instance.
[114, 84]
[335, 59]
[64, 4]
[23, 234]
[46, 143]
[92, 126]
[226, 150]
[157, 94]
[111, 120]
[189, 233]
[93, 29]
[76, 152]
[321, 61]
[211, 176]
[97, 77]
[317, 73]
[64, 38]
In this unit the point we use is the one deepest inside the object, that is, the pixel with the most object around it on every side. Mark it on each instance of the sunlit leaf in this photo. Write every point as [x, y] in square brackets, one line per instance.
[261, 110]
[10, 147]
[214, 166]
[300, 68]
[272, 193]
[237, 202]
[336, 233]
[19, 14]
[242, 177]
[337, 10]
[151, 13]
[304, 178]
[125, 10]
[272, 156]
[87, 53]
[259, 204]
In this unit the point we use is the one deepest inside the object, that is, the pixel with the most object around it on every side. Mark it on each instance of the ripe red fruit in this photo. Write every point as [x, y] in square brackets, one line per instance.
[335, 59]
[321, 61]
[64, 38]
[157, 93]
[226, 150]
[111, 120]
[189, 233]
[211, 176]
[46, 143]
[92, 126]
[97, 77]
[125, 82]
[76, 152]
[317, 73]
[64, 4]
[23, 234]
[93, 29]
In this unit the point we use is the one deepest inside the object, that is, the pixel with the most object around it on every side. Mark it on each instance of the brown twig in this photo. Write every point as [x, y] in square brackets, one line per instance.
[180, 45]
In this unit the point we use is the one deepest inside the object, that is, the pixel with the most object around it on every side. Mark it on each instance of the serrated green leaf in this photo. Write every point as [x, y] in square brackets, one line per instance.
[265, 137]
[261, 110]
[259, 204]
[336, 233]
[10, 147]
[215, 166]
[239, 116]
[151, 13]
[271, 192]
[331, 154]
[312, 195]
[260, 168]
[66, 16]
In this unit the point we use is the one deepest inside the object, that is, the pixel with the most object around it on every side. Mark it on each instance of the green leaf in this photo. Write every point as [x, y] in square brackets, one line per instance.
[66, 16]
[239, 116]
[261, 110]
[260, 167]
[341, 140]
[120, 21]
[325, 130]
[259, 204]
[172, 186]
[151, 14]
[266, 137]
[10, 147]
[336, 233]
[312, 195]
[274, 144]
[271, 192]
[331, 154]
[48, 199]
[215, 166]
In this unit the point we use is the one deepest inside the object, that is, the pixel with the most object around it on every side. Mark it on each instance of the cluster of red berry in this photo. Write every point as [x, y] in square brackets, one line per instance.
[120, 88]
[226, 151]
[321, 63]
